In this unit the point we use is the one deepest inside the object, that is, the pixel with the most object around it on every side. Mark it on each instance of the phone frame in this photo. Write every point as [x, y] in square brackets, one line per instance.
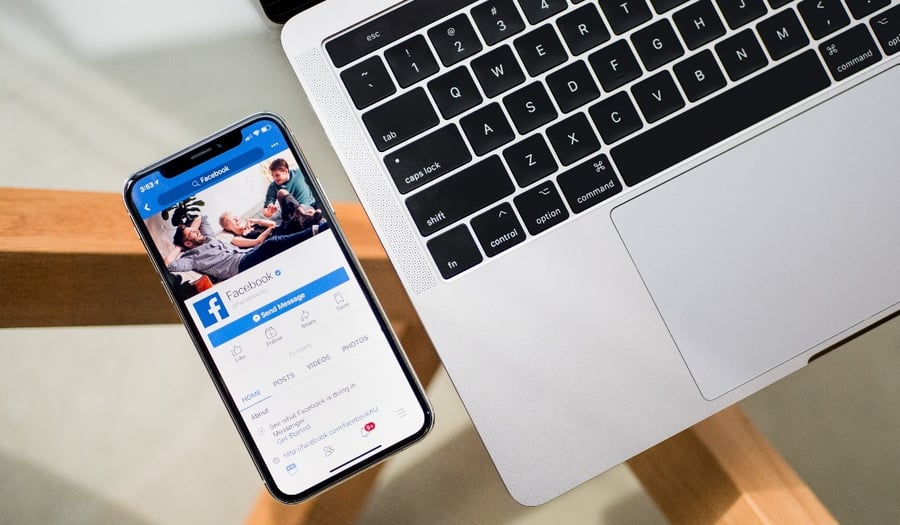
[280, 11]
[210, 147]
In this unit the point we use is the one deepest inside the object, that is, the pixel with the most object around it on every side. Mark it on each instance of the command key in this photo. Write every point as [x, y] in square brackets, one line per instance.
[850, 52]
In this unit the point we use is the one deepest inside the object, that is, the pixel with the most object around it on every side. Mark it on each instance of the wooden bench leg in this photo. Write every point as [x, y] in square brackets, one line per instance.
[723, 470]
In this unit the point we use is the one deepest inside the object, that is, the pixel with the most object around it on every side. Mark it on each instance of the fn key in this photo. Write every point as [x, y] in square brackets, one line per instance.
[454, 251]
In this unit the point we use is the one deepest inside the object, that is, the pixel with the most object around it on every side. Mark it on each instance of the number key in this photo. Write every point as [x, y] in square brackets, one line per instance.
[454, 40]
[497, 20]
[411, 61]
[540, 10]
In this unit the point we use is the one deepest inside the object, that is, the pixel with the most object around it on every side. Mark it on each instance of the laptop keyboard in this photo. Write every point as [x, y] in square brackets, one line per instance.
[500, 119]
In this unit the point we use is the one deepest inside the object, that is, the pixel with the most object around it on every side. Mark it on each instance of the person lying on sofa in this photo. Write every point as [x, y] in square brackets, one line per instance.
[197, 249]
[251, 232]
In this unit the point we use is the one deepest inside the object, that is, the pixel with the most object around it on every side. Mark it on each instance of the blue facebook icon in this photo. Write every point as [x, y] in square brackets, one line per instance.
[211, 310]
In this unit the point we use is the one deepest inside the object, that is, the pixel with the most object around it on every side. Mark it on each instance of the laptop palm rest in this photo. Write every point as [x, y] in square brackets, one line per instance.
[779, 245]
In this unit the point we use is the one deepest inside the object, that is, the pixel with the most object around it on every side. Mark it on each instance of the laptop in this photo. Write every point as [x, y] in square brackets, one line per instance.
[616, 218]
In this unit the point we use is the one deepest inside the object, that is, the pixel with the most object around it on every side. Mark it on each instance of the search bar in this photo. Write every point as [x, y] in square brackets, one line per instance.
[211, 177]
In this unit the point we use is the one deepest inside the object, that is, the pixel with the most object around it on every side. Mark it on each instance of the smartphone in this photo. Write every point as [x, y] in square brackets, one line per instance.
[283, 318]
[280, 11]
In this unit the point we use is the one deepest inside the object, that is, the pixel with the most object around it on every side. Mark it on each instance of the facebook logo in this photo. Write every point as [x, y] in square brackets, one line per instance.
[211, 310]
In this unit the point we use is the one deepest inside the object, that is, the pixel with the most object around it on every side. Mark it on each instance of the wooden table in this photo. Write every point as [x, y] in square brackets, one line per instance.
[77, 262]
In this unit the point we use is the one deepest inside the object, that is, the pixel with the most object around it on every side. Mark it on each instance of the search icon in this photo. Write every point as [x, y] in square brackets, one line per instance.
[215, 174]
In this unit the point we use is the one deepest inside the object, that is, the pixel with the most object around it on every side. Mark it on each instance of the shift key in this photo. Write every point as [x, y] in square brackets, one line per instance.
[427, 159]
[399, 119]
[459, 195]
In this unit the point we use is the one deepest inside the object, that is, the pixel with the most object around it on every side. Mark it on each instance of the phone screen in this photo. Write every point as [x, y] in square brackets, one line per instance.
[290, 334]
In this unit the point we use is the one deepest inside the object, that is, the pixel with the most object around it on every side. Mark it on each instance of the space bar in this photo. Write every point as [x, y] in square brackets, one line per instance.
[717, 119]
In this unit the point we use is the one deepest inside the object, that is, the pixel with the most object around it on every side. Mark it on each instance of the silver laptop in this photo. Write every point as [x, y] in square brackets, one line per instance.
[617, 217]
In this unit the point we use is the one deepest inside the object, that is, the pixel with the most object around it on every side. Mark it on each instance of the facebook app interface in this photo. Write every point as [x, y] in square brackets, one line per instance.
[288, 326]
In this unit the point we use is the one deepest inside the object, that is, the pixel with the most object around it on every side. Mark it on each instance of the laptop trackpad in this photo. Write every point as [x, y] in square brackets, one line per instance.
[778, 245]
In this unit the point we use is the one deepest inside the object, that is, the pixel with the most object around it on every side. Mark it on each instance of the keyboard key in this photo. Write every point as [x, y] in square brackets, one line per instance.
[657, 96]
[589, 183]
[454, 92]
[740, 12]
[615, 65]
[487, 129]
[498, 230]
[863, 8]
[411, 61]
[540, 50]
[388, 28]
[539, 10]
[368, 82]
[573, 86]
[775, 4]
[573, 139]
[583, 29]
[541, 208]
[427, 159]
[530, 160]
[615, 117]
[459, 195]
[849, 52]
[625, 14]
[741, 54]
[529, 107]
[661, 6]
[498, 71]
[399, 119]
[698, 24]
[720, 117]
[454, 251]
[497, 20]
[454, 40]
[823, 17]
[699, 75]
[887, 29]
[782, 34]
[657, 44]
